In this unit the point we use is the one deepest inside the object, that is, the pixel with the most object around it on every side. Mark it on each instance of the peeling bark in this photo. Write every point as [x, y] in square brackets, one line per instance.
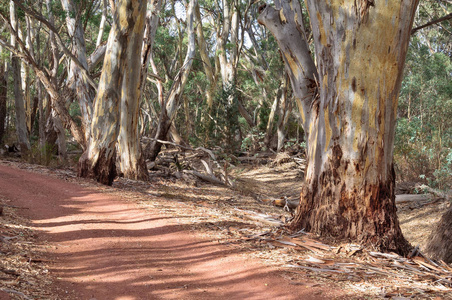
[131, 161]
[98, 161]
[349, 115]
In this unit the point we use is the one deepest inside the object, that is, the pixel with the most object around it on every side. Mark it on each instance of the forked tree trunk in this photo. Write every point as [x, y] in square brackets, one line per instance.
[83, 90]
[169, 108]
[131, 161]
[99, 160]
[360, 53]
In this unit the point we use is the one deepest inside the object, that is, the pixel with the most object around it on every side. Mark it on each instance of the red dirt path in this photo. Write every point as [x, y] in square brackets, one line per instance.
[104, 247]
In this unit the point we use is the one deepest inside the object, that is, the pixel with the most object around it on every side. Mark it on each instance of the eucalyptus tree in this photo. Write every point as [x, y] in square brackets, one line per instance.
[42, 73]
[83, 90]
[173, 98]
[120, 78]
[348, 101]
[3, 95]
[21, 122]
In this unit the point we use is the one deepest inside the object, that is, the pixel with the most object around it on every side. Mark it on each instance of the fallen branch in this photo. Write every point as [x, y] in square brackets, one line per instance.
[185, 147]
[210, 179]
[260, 217]
[430, 190]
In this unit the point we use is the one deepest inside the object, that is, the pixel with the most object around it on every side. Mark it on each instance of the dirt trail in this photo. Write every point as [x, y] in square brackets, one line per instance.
[103, 247]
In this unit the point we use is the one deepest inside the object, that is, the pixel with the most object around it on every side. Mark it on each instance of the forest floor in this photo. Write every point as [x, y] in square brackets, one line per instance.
[176, 237]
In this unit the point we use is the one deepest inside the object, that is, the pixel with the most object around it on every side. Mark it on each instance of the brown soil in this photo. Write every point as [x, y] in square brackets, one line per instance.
[100, 246]
[183, 239]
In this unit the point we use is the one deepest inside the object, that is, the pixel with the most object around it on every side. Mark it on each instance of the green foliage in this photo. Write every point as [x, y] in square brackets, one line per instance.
[43, 155]
[220, 125]
[424, 129]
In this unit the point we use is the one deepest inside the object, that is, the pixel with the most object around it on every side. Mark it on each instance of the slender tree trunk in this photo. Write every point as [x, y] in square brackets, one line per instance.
[102, 23]
[55, 125]
[205, 58]
[3, 98]
[169, 110]
[21, 122]
[271, 117]
[360, 50]
[25, 78]
[99, 160]
[78, 83]
[285, 108]
[42, 116]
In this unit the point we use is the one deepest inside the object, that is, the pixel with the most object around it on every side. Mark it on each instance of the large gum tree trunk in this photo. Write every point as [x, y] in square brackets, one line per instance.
[360, 49]
[131, 160]
[98, 161]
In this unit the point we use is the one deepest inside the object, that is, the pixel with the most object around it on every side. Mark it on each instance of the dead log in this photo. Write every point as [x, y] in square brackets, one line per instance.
[210, 179]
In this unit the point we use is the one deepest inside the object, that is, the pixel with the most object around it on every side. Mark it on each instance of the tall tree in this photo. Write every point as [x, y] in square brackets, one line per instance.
[77, 81]
[21, 122]
[99, 160]
[172, 101]
[348, 102]
[3, 95]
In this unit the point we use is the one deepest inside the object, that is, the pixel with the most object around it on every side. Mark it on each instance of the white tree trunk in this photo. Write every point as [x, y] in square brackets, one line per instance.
[83, 90]
[169, 109]
[21, 122]
[131, 161]
[349, 116]
[99, 159]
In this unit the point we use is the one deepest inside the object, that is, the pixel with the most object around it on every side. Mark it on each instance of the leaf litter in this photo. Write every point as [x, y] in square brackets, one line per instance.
[243, 217]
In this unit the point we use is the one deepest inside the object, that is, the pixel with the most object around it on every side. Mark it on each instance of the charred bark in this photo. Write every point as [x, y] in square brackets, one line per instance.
[440, 241]
[103, 169]
[348, 104]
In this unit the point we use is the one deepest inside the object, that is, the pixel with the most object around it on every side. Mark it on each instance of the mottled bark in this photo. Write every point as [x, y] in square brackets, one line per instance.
[97, 57]
[152, 19]
[131, 161]
[360, 52]
[21, 121]
[78, 82]
[208, 70]
[98, 161]
[102, 23]
[285, 107]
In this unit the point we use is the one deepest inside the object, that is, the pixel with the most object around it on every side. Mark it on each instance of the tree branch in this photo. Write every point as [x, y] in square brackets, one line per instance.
[66, 51]
[433, 22]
